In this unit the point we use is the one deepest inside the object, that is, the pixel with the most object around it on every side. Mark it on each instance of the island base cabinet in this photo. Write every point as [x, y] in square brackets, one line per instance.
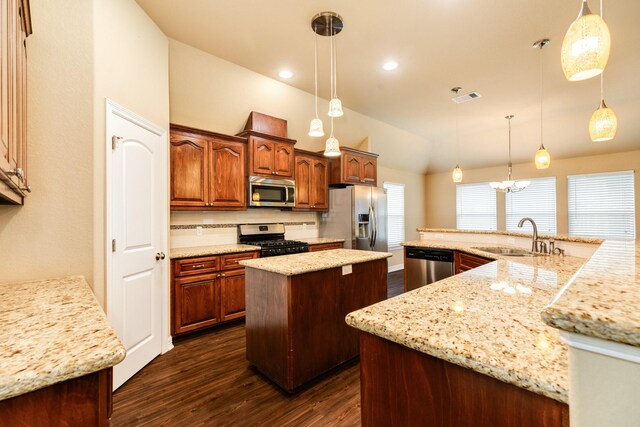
[400, 386]
[82, 401]
[295, 324]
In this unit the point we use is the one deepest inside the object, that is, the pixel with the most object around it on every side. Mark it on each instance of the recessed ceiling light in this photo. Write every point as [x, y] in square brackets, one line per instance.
[285, 74]
[390, 65]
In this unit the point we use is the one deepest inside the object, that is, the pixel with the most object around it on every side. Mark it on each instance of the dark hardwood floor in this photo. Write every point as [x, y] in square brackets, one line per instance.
[206, 381]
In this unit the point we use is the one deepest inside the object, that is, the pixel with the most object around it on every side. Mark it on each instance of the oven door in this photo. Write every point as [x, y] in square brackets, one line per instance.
[271, 192]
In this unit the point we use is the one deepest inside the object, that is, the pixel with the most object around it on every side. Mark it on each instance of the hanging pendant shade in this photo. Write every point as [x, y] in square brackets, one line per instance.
[315, 128]
[543, 158]
[332, 147]
[335, 108]
[456, 175]
[603, 124]
[586, 46]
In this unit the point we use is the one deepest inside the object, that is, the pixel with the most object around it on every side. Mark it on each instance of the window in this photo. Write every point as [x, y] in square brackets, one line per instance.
[475, 207]
[602, 205]
[538, 202]
[395, 214]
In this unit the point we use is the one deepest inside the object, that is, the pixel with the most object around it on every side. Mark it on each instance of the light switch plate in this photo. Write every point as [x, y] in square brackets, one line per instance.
[198, 231]
[346, 269]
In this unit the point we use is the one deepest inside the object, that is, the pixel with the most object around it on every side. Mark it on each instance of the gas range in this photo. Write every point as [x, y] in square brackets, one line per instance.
[270, 238]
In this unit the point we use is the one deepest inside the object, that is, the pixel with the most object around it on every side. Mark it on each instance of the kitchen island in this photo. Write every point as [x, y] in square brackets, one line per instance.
[470, 349]
[56, 354]
[296, 306]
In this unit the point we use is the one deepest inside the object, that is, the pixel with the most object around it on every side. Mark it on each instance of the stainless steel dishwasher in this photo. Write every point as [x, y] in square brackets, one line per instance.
[426, 265]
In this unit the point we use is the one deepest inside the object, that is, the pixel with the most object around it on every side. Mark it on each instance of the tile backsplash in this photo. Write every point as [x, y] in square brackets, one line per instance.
[191, 228]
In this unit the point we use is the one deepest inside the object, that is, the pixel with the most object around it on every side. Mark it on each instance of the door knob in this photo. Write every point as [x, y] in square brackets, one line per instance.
[160, 255]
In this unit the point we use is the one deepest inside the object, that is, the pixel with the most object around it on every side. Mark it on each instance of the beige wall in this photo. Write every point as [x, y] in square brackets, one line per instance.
[441, 191]
[414, 204]
[131, 57]
[79, 53]
[52, 234]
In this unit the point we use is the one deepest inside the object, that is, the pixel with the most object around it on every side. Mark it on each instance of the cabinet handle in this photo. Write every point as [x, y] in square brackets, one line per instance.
[273, 172]
[362, 180]
[198, 266]
[223, 275]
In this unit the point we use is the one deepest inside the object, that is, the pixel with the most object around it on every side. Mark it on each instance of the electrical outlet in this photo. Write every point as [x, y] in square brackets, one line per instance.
[304, 225]
[346, 269]
[198, 231]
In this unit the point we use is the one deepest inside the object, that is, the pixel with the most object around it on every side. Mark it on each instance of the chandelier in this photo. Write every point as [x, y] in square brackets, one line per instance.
[509, 185]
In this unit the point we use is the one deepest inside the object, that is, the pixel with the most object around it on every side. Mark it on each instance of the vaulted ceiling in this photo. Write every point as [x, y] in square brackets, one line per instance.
[483, 46]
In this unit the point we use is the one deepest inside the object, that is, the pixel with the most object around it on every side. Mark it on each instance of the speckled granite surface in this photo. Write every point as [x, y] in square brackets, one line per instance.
[603, 300]
[211, 250]
[559, 237]
[290, 265]
[51, 331]
[486, 319]
[321, 240]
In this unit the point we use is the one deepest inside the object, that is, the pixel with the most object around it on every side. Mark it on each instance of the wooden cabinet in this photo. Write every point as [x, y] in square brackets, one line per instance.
[464, 261]
[270, 155]
[207, 290]
[15, 27]
[354, 167]
[325, 247]
[312, 181]
[207, 170]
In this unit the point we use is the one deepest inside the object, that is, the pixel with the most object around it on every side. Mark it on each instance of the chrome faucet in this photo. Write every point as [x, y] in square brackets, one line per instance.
[534, 239]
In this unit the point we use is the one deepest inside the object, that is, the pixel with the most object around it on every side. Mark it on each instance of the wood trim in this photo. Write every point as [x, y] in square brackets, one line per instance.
[307, 153]
[199, 133]
[26, 17]
[403, 387]
[248, 133]
[354, 151]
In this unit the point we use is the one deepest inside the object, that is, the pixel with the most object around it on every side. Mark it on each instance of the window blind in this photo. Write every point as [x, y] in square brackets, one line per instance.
[602, 205]
[538, 202]
[395, 214]
[476, 207]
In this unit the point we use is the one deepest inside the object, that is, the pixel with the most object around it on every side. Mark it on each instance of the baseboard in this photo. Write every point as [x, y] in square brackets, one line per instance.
[397, 267]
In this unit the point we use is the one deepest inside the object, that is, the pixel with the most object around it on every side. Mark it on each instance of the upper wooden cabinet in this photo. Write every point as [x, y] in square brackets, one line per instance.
[207, 170]
[15, 27]
[270, 155]
[354, 167]
[312, 181]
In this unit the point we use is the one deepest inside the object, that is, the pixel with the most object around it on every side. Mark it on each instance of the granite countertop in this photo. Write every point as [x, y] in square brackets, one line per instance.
[559, 237]
[211, 250]
[321, 240]
[51, 331]
[486, 319]
[291, 265]
[603, 300]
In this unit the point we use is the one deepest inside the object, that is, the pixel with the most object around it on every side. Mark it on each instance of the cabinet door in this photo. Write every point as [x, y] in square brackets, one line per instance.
[189, 171]
[283, 165]
[262, 156]
[369, 174]
[5, 83]
[320, 185]
[15, 78]
[304, 166]
[196, 302]
[351, 168]
[232, 294]
[464, 261]
[227, 179]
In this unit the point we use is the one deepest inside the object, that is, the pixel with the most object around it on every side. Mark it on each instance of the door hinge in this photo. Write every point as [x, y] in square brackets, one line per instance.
[114, 141]
[113, 245]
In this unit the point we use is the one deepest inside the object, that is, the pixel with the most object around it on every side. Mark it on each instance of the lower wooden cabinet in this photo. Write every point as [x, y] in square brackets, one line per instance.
[207, 291]
[325, 247]
[464, 261]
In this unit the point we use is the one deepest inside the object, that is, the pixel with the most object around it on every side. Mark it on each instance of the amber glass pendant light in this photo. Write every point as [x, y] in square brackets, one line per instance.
[542, 158]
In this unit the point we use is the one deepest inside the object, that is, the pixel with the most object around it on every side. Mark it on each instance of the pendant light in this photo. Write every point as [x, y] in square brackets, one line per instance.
[604, 123]
[315, 128]
[586, 46]
[456, 175]
[509, 185]
[330, 24]
[542, 158]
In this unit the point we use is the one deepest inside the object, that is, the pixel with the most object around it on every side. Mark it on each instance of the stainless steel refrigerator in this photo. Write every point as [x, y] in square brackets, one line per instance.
[357, 214]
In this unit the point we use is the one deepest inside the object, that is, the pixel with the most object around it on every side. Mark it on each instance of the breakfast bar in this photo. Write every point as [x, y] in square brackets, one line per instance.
[296, 306]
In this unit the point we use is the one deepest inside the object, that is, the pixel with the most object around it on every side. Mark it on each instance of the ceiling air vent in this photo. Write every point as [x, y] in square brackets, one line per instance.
[464, 98]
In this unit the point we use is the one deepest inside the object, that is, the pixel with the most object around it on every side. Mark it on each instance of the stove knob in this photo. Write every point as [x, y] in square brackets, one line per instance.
[280, 251]
[290, 250]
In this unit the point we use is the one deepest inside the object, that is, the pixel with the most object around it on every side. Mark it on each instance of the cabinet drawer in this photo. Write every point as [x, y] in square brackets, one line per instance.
[325, 247]
[189, 266]
[228, 262]
[466, 261]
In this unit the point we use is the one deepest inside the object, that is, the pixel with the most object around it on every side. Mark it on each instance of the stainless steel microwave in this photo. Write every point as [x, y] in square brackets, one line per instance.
[271, 192]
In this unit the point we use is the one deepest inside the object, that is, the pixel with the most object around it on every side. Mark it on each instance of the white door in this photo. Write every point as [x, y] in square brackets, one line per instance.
[137, 224]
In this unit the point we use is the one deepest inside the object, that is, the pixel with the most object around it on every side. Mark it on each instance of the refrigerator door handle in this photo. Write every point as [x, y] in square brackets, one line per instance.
[371, 226]
[375, 227]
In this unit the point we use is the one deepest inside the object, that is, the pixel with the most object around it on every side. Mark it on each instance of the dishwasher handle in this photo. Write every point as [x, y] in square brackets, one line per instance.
[429, 254]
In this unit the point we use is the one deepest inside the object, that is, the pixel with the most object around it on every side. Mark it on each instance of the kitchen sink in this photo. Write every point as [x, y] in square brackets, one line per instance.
[499, 250]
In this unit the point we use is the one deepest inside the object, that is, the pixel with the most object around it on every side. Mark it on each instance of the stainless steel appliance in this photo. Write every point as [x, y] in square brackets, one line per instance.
[426, 265]
[270, 238]
[357, 214]
[271, 192]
